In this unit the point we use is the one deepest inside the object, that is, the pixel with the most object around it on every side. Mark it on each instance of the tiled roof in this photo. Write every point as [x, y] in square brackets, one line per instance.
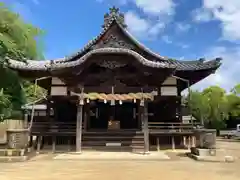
[196, 65]
[51, 65]
[85, 52]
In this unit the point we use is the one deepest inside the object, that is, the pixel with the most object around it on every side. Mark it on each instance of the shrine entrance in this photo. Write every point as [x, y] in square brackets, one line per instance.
[104, 116]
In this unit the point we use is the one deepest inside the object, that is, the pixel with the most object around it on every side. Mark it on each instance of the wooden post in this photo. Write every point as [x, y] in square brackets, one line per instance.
[184, 142]
[53, 144]
[139, 111]
[79, 128]
[30, 143]
[193, 141]
[145, 129]
[173, 143]
[86, 117]
[25, 125]
[39, 140]
[158, 144]
[69, 143]
[189, 142]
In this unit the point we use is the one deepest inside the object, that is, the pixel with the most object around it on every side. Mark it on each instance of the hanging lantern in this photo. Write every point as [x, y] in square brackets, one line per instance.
[105, 101]
[120, 102]
[134, 100]
[88, 100]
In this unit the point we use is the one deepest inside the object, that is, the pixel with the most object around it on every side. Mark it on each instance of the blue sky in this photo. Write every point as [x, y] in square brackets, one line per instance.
[183, 29]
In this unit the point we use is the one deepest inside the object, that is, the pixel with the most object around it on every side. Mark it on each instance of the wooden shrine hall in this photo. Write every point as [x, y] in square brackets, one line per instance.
[114, 93]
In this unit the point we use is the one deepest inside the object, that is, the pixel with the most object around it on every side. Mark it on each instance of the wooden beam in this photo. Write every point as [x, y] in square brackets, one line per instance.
[79, 128]
[117, 89]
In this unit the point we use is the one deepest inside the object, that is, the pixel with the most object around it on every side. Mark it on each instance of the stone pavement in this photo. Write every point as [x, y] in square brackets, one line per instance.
[44, 167]
[88, 155]
[118, 170]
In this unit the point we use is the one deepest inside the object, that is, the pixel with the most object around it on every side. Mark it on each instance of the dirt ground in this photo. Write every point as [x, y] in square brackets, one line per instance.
[175, 169]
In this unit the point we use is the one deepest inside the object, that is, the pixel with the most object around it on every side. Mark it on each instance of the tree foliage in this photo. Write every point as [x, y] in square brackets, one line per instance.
[33, 92]
[18, 40]
[213, 106]
[198, 106]
[5, 105]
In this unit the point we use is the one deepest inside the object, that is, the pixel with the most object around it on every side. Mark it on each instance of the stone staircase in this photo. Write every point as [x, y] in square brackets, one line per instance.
[114, 140]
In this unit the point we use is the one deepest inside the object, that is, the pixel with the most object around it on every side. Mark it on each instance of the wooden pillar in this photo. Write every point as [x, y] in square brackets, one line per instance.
[39, 140]
[145, 128]
[86, 117]
[173, 143]
[79, 128]
[139, 111]
[30, 143]
[69, 143]
[158, 144]
[25, 125]
[53, 144]
[184, 141]
[189, 142]
[193, 141]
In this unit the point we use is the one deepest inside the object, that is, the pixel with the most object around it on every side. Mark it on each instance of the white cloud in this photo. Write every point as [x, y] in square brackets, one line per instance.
[228, 74]
[182, 27]
[161, 10]
[136, 24]
[166, 39]
[156, 15]
[226, 12]
[156, 7]
[142, 27]
[202, 15]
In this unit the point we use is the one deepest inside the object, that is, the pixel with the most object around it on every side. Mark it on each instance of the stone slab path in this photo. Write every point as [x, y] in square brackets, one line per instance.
[112, 156]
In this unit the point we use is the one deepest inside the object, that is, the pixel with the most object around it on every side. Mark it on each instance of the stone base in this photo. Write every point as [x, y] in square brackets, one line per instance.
[226, 159]
[5, 159]
[12, 152]
[203, 152]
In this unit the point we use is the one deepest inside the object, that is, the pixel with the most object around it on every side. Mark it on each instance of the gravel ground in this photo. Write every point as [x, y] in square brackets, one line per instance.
[179, 168]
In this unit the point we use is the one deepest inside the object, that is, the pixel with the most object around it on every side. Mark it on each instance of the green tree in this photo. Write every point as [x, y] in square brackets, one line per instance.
[236, 89]
[234, 101]
[5, 105]
[199, 106]
[17, 41]
[211, 106]
[218, 106]
[18, 38]
[31, 96]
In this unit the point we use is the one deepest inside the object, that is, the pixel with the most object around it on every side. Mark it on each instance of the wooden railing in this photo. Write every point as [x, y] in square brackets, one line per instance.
[70, 127]
[171, 127]
[54, 127]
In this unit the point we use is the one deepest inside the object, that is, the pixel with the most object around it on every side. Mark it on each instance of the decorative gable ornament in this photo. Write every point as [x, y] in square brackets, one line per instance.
[114, 14]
